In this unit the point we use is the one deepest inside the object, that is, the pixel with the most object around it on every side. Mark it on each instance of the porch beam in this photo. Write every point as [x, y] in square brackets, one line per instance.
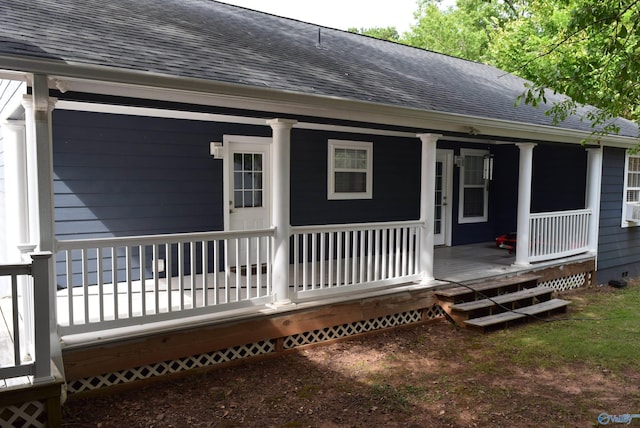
[281, 209]
[594, 180]
[524, 202]
[427, 198]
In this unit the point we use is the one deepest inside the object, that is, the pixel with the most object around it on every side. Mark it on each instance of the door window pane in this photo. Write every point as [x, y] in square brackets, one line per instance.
[247, 180]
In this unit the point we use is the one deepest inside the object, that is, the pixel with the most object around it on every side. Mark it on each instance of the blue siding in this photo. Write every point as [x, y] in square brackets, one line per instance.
[117, 175]
[618, 247]
[396, 181]
[559, 178]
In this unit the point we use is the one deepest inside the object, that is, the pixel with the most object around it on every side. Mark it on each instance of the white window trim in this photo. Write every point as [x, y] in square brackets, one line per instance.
[461, 218]
[346, 144]
[625, 188]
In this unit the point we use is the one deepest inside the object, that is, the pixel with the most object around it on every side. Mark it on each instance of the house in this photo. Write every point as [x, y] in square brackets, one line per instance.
[216, 182]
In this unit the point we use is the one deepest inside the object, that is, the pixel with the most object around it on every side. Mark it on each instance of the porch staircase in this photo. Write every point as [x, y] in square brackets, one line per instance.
[498, 303]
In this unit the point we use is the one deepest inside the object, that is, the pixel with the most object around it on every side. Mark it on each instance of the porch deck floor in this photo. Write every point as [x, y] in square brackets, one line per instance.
[471, 262]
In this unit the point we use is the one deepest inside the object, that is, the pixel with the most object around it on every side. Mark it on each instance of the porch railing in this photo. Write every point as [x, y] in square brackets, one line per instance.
[28, 333]
[558, 234]
[354, 256]
[113, 282]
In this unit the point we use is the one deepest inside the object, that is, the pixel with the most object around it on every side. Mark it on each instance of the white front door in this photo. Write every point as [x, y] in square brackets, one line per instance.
[247, 190]
[442, 205]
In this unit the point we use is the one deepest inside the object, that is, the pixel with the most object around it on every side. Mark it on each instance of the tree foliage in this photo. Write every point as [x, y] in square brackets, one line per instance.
[384, 33]
[586, 49]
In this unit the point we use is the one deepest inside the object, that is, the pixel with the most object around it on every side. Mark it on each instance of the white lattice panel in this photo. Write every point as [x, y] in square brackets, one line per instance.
[345, 330]
[567, 282]
[31, 414]
[173, 366]
[251, 350]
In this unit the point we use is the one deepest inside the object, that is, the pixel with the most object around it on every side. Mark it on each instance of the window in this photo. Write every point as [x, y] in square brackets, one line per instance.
[474, 201]
[350, 170]
[247, 180]
[631, 198]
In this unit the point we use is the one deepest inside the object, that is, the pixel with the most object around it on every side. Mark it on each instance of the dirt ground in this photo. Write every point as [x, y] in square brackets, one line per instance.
[431, 375]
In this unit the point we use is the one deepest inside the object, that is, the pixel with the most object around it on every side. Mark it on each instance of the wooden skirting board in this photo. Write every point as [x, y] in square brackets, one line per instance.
[99, 359]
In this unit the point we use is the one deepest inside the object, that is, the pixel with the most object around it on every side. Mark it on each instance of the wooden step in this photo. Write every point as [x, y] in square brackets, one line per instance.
[501, 303]
[490, 288]
[554, 305]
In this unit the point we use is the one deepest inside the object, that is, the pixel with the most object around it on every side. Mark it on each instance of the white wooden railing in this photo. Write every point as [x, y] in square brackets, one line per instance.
[558, 234]
[354, 256]
[28, 281]
[113, 282]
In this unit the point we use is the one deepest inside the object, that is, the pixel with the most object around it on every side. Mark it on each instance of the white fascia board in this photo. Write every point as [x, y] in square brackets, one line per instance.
[147, 85]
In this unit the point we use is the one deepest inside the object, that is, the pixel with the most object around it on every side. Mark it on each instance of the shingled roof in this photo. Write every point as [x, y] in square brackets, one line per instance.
[204, 39]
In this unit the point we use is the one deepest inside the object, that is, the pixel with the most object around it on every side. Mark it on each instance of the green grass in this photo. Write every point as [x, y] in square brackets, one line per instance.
[603, 332]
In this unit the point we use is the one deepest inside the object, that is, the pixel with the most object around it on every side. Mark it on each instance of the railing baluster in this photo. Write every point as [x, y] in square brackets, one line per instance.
[127, 251]
[215, 269]
[347, 256]
[323, 239]
[296, 261]
[249, 270]
[363, 257]
[314, 261]
[305, 262]
[114, 280]
[181, 268]
[227, 272]
[143, 278]
[194, 269]
[259, 256]
[17, 358]
[100, 281]
[354, 256]
[85, 285]
[339, 258]
[156, 278]
[330, 257]
[168, 274]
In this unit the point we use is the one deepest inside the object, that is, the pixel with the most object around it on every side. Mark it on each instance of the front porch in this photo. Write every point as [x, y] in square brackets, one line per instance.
[118, 356]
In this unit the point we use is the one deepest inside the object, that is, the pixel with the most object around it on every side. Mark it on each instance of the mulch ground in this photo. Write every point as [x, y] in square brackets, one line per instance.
[430, 375]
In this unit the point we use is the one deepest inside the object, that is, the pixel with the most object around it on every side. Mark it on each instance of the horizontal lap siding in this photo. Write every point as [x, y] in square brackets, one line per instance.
[559, 178]
[396, 181]
[618, 247]
[117, 175]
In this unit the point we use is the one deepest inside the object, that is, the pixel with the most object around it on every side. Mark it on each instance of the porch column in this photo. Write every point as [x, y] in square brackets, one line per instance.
[524, 202]
[38, 109]
[281, 210]
[594, 177]
[17, 225]
[427, 198]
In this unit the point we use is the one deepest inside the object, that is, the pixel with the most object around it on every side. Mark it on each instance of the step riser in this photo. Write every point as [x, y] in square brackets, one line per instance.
[476, 308]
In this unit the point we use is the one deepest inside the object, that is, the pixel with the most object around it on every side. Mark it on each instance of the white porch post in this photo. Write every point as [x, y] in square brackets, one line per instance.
[427, 198]
[17, 225]
[524, 202]
[40, 176]
[281, 210]
[594, 177]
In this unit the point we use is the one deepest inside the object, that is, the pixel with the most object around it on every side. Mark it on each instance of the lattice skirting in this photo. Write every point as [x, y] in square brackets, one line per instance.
[31, 414]
[251, 350]
[568, 282]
